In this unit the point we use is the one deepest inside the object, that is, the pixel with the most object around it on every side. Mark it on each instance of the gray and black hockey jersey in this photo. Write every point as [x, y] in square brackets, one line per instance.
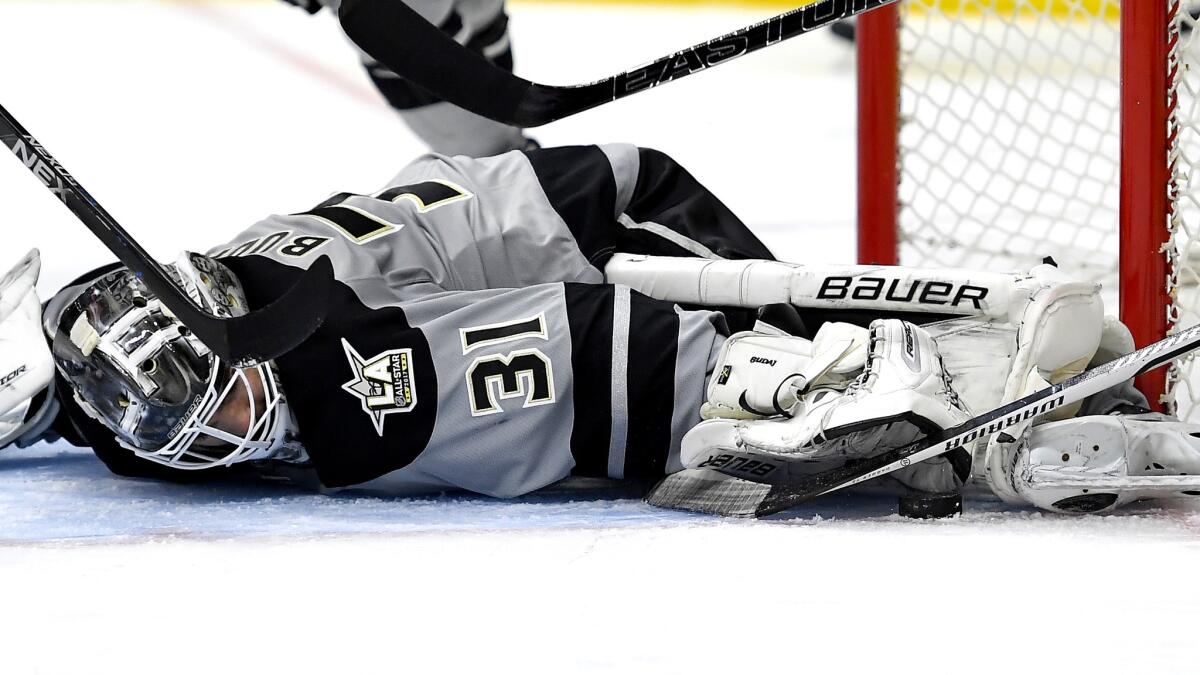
[471, 342]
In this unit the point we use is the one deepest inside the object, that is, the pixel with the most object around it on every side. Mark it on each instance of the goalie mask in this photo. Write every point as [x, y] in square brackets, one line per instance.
[142, 374]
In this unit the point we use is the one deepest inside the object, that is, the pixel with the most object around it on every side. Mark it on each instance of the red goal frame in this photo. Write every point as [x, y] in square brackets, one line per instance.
[1146, 174]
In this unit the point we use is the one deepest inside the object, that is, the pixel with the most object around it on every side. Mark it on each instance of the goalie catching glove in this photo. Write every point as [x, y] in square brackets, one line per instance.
[27, 404]
[902, 393]
[762, 373]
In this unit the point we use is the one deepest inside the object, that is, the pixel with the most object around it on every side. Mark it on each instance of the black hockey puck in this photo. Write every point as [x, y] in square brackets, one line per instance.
[931, 505]
[844, 29]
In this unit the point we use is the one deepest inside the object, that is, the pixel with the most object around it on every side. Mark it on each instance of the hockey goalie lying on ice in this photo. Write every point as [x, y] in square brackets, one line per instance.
[501, 324]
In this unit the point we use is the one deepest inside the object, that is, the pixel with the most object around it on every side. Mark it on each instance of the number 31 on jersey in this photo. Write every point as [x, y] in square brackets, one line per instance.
[496, 374]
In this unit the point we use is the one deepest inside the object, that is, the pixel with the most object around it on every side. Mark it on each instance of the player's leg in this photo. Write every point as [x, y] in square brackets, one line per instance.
[1113, 453]
[481, 25]
[669, 212]
[1043, 328]
[622, 198]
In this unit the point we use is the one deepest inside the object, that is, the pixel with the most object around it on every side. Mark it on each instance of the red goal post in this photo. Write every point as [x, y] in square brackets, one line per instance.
[1027, 90]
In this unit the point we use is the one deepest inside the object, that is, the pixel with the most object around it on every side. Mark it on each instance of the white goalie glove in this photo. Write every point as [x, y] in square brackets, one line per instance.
[901, 394]
[27, 405]
[762, 373]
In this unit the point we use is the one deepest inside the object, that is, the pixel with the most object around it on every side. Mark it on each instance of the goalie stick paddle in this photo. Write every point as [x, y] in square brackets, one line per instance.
[242, 341]
[786, 484]
[399, 38]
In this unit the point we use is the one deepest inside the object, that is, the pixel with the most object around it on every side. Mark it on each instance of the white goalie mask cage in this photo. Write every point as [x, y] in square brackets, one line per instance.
[140, 372]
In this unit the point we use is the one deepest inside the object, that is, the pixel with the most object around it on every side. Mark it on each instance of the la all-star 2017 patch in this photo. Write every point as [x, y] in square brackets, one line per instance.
[384, 383]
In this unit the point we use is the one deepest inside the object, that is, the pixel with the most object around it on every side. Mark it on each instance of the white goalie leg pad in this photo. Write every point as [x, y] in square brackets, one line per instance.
[1059, 325]
[26, 368]
[760, 375]
[1059, 329]
[903, 394]
[753, 283]
[999, 466]
[1097, 463]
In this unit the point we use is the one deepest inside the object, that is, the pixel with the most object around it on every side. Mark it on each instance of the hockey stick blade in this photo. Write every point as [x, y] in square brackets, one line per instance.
[258, 336]
[265, 333]
[793, 482]
[399, 38]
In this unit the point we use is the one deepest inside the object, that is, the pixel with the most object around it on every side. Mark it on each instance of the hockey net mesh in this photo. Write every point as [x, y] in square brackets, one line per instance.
[1010, 146]
[1183, 379]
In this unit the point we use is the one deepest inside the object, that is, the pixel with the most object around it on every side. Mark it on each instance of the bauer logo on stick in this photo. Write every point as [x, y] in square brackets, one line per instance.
[384, 383]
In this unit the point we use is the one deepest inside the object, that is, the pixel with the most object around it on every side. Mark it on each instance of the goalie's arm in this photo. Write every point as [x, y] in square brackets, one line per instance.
[532, 385]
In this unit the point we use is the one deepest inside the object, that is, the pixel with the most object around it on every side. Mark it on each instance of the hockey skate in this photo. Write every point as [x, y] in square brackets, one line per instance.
[1100, 462]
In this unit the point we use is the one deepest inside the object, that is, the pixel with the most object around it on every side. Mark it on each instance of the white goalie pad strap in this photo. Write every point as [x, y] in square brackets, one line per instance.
[1059, 478]
[26, 367]
[753, 283]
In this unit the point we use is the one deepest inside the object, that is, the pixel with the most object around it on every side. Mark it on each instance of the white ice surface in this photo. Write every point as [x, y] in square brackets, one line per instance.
[190, 121]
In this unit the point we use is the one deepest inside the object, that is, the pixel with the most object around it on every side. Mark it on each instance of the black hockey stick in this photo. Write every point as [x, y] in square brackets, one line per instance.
[788, 484]
[402, 40]
[253, 338]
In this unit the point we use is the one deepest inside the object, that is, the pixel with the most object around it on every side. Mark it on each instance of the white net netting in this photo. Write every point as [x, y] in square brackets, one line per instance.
[1183, 379]
[1010, 144]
